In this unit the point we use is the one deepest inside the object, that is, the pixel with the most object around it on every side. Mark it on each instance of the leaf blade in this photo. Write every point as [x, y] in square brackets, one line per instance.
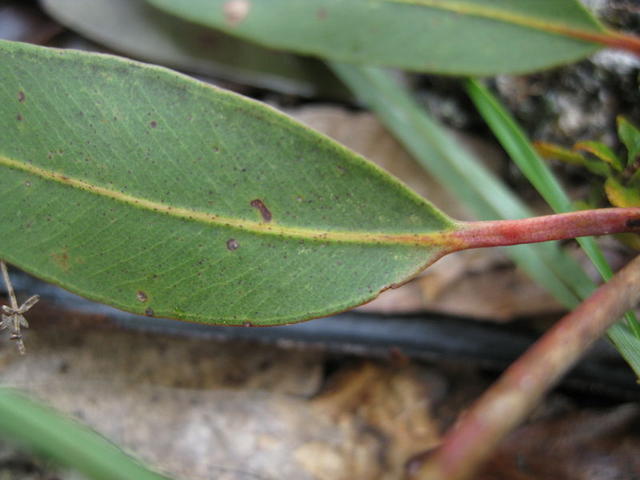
[138, 187]
[601, 151]
[472, 37]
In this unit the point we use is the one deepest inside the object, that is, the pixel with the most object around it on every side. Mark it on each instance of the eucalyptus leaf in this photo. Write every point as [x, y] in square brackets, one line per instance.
[473, 37]
[139, 187]
[141, 31]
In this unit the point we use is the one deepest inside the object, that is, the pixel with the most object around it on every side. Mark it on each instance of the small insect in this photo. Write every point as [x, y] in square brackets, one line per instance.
[13, 315]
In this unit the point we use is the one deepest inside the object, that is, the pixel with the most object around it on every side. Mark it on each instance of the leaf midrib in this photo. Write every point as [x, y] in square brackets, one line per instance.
[428, 239]
[497, 14]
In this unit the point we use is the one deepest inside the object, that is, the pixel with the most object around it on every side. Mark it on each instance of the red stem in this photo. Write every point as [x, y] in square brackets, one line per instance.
[514, 395]
[624, 42]
[612, 39]
[541, 229]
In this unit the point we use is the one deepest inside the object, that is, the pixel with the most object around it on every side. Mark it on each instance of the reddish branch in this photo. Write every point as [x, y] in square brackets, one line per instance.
[609, 38]
[621, 41]
[496, 233]
[514, 395]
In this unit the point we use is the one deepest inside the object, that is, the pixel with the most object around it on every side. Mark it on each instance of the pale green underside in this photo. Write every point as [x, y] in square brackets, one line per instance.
[147, 133]
[471, 37]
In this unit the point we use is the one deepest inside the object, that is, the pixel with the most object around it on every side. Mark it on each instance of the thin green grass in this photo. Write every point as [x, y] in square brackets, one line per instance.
[66, 442]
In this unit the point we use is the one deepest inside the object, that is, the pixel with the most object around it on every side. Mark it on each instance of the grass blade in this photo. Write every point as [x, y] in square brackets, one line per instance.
[46, 432]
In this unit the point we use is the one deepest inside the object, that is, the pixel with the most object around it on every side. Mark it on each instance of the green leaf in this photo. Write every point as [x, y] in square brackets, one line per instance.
[46, 432]
[141, 31]
[551, 151]
[475, 37]
[136, 186]
[601, 151]
[630, 136]
[621, 196]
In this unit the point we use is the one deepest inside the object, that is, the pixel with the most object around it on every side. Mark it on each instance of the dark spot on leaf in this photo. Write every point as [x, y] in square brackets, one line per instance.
[247, 324]
[262, 208]
[62, 259]
[141, 296]
[21, 96]
[232, 244]
[149, 312]
[19, 117]
[633, 223]
[321, 13]
[153, 124]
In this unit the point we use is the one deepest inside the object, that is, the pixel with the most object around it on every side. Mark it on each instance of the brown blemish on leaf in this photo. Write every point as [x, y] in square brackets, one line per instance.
[21, 96]
[19, 117]
[247, 324]
[142, 296]
[232, 244]
[262, 208]
[321, 13]
[149, 312]
[633, 223]
[153, 124]
[235, 11]
[62, 259]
